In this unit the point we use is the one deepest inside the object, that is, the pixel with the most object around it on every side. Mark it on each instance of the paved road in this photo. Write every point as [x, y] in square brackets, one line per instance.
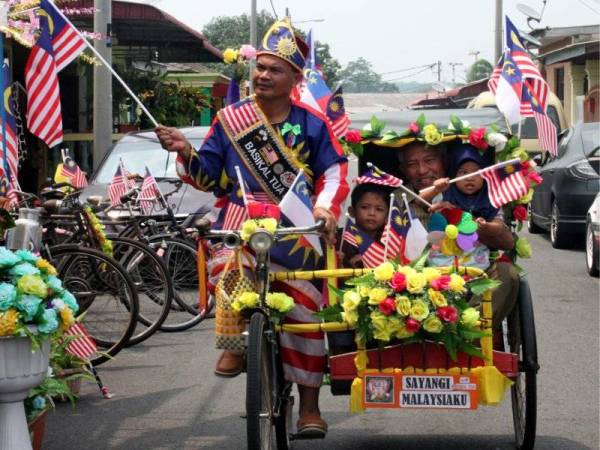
[167, 398]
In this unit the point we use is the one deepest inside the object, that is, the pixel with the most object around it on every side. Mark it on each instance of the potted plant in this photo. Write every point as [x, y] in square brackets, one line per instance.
[34, 308]
[68, 366]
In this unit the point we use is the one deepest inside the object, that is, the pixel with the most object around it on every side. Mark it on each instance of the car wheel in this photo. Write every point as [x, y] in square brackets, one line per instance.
[531, 226]
[591, 251]
[558, 237]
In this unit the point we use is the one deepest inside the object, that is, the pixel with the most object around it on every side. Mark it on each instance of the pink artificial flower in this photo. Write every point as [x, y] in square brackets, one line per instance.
[534, 177]
[398, 282]
[440, 283]
[447, 314]
[477, 138]
[414, 128]
[387, 306]
[247, 52]
[412, 325]
[353, 136]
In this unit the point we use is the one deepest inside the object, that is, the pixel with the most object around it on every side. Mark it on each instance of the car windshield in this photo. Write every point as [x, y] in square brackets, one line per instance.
[137, 152]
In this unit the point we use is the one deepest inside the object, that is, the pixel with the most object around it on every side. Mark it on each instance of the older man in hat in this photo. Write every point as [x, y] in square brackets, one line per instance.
[271, 138]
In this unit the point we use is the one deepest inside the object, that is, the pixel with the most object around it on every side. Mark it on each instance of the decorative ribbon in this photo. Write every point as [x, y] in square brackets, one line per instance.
[288, 127]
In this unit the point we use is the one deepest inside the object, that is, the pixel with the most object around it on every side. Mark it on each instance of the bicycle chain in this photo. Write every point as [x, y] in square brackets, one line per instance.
[21, 142]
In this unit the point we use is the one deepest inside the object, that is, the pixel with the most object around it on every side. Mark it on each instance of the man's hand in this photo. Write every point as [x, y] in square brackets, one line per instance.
[328, 231]
[441, 185]
[173, 140]
[441, 206]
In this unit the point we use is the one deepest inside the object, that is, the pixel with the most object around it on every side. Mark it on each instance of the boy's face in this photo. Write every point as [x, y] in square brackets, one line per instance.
[471, 185]
[371, 212]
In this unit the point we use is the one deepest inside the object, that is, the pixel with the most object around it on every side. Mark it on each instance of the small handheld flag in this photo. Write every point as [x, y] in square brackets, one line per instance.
[505, 184]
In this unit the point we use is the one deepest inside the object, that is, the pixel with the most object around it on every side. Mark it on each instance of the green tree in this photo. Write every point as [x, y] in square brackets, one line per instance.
[359, 76]
[234, 31]
[479, 70]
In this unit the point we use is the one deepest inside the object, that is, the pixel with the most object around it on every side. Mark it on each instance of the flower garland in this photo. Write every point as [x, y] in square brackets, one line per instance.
[98, 230]
[33, 301]
[278, 303]
[397, 302]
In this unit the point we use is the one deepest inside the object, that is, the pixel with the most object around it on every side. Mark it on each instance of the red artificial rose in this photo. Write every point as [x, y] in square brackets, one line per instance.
[535, 177]
[440, 283]
[353, 136]
[504, 259]
[387, 306]
[414, 128]
[477, 138]
[412, 325]
[525, 165]
[520, 213]
[398, 282]
[447, 314]
[466, 277]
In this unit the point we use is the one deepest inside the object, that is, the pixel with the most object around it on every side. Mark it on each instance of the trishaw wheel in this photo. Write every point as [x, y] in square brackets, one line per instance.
[260, 390]
[522, 341]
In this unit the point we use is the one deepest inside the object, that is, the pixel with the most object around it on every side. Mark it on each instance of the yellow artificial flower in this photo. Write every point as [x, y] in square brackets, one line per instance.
[403, 305]
[402, 332]
[32, 284]
[248, 227]
[415, 282]
[280, 302]
[363, 291]
[527, 197]
[245, 300]
[381, 329]
[470, 317]
[350, 317]
[45, 266]
[457, 283]
[268, 224]
[66, 316]
[432, 324]
[419, 310]
[8, 322]
[376, 295]
[351, 300]
[384, 272]
[406, 270]
[431, 273]
[521, 153]
[395, 325]
[523, 248]
[230, 56]
[437, 298]
[432, 135]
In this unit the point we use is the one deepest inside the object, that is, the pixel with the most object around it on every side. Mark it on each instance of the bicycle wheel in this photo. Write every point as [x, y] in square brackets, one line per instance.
[180, 259]
[522, 341]
[152, 281]
[106, 295]
[260, 387]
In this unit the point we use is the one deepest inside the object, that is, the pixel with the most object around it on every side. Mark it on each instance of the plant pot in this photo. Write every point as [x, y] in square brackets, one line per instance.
[37, 427]
[74, 385]
[20, 370]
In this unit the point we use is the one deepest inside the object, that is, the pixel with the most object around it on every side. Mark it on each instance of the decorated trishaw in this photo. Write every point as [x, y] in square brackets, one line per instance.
[401, 335]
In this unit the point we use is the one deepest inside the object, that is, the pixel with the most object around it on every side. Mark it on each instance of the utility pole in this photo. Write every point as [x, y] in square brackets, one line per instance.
[439, 70]
[253, 40]
[475, 54]
[498, 31]
[102, 104]
[453, 65]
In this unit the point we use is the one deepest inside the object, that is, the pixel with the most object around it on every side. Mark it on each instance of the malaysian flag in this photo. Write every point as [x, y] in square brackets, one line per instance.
[83, 345]
[371, 252]
[240, 116]
[495, 76]
[44, 117]
[10, 146]
[347, 235]
[530, 72]
[149, 192]
[376, 176]
[394, 233]
[66, 41]
[336, 113]
[505, 184]
[235, 213]
[509, 90]
[118, 186]
[546, 129]
[70, 169]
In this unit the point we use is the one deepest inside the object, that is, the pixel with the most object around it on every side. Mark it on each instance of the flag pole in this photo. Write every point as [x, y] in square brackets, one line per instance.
[415, 195]
[479, 172]
[343, 231]
[388, 226]
[238, 173]
[108, 66]
[3, 111]
[405, 201]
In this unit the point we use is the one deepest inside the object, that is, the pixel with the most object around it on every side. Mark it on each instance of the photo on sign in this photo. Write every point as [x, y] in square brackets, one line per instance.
[380, 390]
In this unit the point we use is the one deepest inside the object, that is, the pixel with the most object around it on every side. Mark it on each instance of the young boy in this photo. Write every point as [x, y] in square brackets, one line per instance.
[370, 207]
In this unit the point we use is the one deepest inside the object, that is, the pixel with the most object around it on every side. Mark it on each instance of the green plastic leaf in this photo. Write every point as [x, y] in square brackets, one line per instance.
[330, 314]
[389, 136]
[421, 121]
[377, 126]
[419, 263]
[363, 279]
[481, 285]
[338, 292]
[357, 149]
[456, 122]
[472, 350]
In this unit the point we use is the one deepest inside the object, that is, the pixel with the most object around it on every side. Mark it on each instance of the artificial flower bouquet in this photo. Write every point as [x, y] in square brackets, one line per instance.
[33, 301]
[408, 304]
[239, 58]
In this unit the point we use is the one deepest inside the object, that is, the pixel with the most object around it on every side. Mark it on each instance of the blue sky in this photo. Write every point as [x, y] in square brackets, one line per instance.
[398, 34]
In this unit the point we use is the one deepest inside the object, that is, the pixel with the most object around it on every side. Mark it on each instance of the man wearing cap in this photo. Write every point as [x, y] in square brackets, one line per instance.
[421, 165]
[271, 138]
